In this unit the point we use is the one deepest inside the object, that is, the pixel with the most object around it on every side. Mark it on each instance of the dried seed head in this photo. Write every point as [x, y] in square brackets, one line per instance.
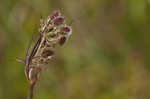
[53, 31]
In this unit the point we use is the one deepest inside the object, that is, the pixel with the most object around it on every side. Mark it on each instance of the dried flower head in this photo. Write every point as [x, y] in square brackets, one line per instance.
[53, 31]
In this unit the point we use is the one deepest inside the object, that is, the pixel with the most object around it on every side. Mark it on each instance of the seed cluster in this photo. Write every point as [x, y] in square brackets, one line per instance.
[54, 29]
[53, 32]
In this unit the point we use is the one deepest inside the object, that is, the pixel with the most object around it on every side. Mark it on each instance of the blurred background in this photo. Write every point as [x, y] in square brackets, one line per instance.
[106, 57]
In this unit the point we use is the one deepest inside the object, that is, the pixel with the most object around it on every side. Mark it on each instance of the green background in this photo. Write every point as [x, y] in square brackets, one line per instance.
[106, 57]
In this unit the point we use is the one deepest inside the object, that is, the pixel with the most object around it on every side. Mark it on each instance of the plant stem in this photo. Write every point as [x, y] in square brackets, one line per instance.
[30, 91]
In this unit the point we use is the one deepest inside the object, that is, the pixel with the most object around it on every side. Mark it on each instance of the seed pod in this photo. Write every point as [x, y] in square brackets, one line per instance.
[54, 14]
[65, 29]
[58, 20]
[62, 40]
[47, 53]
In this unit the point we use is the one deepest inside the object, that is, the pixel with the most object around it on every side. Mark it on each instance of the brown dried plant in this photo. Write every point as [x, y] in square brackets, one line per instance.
[53, 31]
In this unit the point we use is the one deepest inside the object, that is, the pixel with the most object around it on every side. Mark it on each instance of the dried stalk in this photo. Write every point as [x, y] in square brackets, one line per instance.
[30, 91]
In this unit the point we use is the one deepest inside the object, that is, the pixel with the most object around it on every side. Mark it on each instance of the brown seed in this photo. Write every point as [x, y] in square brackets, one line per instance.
[65, 29]
[62, 40]
[58, 20]
[47, 53]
